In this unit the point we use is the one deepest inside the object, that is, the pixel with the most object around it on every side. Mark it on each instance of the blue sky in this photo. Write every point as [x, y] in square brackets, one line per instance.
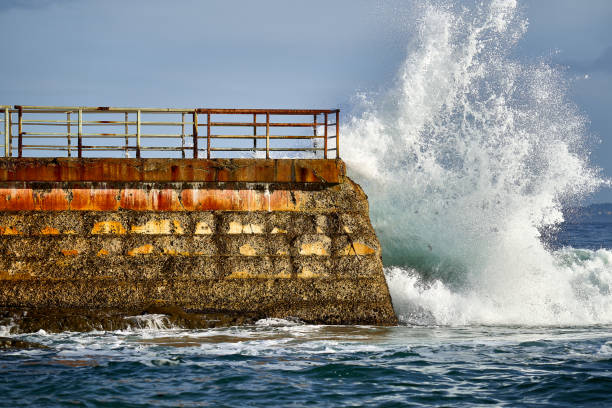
[268, 53]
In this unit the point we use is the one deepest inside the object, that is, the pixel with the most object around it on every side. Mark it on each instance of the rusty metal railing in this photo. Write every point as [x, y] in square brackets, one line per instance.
[42, 131]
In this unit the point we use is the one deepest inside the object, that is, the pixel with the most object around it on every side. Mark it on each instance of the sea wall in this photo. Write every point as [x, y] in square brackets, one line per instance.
[236, 237]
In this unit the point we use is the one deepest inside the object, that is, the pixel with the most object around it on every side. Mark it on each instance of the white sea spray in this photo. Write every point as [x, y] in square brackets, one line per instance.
[465, 160]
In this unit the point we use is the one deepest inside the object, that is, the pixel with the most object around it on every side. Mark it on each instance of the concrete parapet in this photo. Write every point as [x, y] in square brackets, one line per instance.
[281, 238]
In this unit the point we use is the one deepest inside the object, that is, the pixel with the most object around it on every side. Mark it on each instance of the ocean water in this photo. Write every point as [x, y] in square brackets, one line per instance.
[469, 160]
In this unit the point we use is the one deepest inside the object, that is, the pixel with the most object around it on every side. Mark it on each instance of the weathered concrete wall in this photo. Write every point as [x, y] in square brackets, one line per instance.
[263, 238]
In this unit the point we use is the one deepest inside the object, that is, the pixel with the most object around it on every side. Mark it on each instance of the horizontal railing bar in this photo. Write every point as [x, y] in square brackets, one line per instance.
[42, 134]
[108, 148]
[98, 123]
[263, 149]
[259, 124]
[161, 136]
[261, 137]
[106, 109]
[32, 122]
[178, 149]
[270, 111]
[75, 137]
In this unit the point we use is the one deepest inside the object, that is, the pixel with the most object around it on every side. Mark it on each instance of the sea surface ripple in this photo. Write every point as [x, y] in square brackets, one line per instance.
[280, 363]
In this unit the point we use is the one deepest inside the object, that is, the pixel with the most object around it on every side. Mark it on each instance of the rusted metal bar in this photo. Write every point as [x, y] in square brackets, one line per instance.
[6, 132]
[127, 137]
[272, 149]
[255, 124]
[325, 139]
[269, 111]
[337, 133]
[208, 135]
[80, 130]
[255, 131]
[267, 135]
[138, 134]
[195, 135]
[68, 134]
[314, 127]
[108, 109]
[20, 140]
[263, 137]
[183, 135]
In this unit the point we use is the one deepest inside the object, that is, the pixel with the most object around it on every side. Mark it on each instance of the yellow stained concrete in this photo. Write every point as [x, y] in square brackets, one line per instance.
[247, 250]
[152, 227]
[357, 248]
[243, 274]
[49, 231]
[172, 251]
[9, 231]
[314, 248]
[202, 228]
[141, 250]
[238, 228]
[108, 227]
[178, 229]
[306, 273]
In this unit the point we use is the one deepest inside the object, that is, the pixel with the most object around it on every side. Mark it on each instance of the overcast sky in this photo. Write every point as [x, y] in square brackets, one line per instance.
[270, 53]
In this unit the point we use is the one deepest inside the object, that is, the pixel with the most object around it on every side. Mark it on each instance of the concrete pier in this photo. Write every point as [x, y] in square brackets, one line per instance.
[238, 237]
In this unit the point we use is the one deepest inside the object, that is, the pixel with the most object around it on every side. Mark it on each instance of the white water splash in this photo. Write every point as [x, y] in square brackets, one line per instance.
[465, 160]
[152, 321]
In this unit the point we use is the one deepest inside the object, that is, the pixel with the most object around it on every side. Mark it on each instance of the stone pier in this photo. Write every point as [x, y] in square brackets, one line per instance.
[245, 238]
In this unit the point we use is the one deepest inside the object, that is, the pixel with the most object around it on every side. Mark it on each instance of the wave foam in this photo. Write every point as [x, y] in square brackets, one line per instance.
[465, 160]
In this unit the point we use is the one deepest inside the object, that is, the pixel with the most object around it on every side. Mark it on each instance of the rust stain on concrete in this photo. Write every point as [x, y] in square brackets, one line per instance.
[49, 231]
[141, 250]
[172, 170]
[9, 231]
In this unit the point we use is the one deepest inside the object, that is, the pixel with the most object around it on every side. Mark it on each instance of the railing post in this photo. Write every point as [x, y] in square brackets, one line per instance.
[138, 134]
[255, 133]
[127, 137]
[80, 130]
[183, 135]
[315, 125]
[267, 135]
[20, 140]
[68, 132]
[208, 135]
[325, 139]
[337, 133]
[195, 134]
[6, 132]
[10, 134]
